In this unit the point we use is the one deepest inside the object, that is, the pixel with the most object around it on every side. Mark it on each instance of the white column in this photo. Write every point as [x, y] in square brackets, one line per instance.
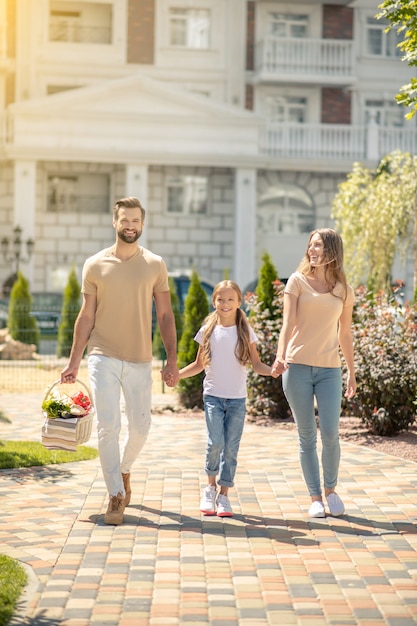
[244, 267]
[24, 207]
[137, 186]
[372, 139]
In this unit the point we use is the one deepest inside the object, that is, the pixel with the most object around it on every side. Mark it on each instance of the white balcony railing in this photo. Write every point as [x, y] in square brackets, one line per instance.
[331, 58]
[335, 142]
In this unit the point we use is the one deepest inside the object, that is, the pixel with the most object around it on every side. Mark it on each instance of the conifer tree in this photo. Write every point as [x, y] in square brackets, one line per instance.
[69, 313]
[21, 324]
[196, 309]
[158, 349]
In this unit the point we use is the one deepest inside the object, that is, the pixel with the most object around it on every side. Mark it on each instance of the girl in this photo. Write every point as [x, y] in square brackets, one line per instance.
[317, 320]
[227, 346]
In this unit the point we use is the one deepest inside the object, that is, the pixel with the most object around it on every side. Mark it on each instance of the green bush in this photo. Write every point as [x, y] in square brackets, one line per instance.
[158, 349]
[385, 355]
[265, 394]
[69, 313]
[22, 326]
[196, 309]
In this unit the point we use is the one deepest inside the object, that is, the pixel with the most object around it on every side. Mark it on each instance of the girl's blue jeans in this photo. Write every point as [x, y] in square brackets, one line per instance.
[225, 419]
[300, 384]
[108, 377]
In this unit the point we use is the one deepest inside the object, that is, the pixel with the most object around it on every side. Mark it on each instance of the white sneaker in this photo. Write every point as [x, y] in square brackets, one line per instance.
[317, 509]
[224, 508]
[208, 501]
[335, 504]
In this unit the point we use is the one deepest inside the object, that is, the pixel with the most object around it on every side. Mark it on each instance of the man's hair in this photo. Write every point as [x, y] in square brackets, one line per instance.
[127, 203]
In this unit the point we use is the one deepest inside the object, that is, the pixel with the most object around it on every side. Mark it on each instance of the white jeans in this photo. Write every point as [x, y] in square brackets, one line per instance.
[108, 377]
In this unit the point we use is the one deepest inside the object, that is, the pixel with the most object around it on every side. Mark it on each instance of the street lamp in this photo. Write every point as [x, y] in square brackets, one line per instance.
[12, 250]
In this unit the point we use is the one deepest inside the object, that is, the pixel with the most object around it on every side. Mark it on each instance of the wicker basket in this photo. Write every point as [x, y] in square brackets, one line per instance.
[66, 433]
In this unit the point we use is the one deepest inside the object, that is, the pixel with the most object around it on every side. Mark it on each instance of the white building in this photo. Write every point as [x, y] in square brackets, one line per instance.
[233, 121]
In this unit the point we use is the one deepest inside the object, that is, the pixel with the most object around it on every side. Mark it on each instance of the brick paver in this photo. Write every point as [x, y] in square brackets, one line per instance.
[169, 565]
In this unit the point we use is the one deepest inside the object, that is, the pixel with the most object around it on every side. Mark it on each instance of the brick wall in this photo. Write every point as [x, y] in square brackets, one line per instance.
[337, 22]
[249, 97]
[141, 31]
[335, 106]
[250, 35]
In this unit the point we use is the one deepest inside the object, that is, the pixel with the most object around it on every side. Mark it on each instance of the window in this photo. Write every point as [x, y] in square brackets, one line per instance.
[285, 210]
[187, 195]
[384, 113]
[85, 23]
[189, 28]
[287, 109]
[83, 193]
[288, 25]
[380, 43]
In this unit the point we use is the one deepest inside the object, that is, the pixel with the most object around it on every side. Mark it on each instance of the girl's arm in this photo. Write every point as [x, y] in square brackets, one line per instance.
[194, 368]
[346, 344]
[258, 366]
[288, 322]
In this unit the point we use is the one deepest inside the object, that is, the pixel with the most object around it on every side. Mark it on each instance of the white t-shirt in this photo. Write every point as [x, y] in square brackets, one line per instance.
[225, 376]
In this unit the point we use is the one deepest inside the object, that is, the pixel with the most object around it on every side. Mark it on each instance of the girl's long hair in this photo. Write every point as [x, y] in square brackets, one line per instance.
[332, 258]
[242, 349]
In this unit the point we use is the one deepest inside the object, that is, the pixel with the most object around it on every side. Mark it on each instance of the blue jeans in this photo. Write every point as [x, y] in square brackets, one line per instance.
[108, 377]
[225, 419]
[300, 384]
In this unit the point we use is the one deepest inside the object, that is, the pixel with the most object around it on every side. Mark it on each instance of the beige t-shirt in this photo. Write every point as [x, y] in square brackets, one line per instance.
[124, 291]
[314, 340]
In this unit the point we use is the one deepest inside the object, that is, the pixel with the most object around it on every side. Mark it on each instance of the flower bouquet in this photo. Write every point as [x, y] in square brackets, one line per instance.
[68, 416]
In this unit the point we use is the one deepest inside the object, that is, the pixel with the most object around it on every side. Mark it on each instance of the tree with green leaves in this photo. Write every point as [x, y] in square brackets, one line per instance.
[265, 289]
[196, 309]
[376, 214]
[21, 324]
[402, 17]
[69, 313]
[158, 349]
[265, 394]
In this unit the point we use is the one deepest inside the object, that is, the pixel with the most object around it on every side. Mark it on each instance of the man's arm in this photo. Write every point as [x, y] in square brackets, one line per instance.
[83, 326]
[166, 321]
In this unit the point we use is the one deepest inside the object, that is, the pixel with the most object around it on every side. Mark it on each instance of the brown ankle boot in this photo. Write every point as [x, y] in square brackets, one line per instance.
[115, 510]
[128, 490]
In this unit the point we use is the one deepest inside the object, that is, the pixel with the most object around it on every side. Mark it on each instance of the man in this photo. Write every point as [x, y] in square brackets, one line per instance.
[119, 285]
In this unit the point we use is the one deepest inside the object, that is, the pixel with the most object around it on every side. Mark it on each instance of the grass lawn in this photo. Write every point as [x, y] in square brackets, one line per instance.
[13, 579]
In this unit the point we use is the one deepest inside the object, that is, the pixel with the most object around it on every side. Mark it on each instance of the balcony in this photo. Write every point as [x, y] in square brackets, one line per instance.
[335, 142]
[311, 61]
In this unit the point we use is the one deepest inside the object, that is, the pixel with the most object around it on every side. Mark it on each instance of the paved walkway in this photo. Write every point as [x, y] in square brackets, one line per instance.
[168, 565]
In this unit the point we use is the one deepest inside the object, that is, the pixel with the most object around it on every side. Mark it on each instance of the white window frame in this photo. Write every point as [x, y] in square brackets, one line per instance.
[385, 113]
[290, 22]
[388, 48]
[63, 194]
[191, 193]
[288, 104]
[195, 25]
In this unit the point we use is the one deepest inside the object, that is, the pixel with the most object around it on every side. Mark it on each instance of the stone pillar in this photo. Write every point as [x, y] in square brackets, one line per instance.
[24, 208]
[244, 266]
[137, 185]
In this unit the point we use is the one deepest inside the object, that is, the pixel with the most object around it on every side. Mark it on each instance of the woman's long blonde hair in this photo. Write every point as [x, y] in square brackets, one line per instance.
[242, 349]
[332, 257]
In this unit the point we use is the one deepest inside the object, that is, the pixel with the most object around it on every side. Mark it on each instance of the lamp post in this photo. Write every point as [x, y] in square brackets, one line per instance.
[13, 250]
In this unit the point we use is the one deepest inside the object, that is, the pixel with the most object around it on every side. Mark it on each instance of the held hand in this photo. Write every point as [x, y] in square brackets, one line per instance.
[278, 367]
[170, 375]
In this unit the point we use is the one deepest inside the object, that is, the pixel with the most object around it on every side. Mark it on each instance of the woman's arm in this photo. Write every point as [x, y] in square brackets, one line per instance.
[194, 368]
[346, 345]
[288, 322]
[258, 366]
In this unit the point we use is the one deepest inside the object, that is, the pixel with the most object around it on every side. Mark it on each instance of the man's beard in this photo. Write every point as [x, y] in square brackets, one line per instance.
[129, 238]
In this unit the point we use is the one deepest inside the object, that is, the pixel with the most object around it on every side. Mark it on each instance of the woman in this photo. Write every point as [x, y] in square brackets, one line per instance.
[317, 321]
